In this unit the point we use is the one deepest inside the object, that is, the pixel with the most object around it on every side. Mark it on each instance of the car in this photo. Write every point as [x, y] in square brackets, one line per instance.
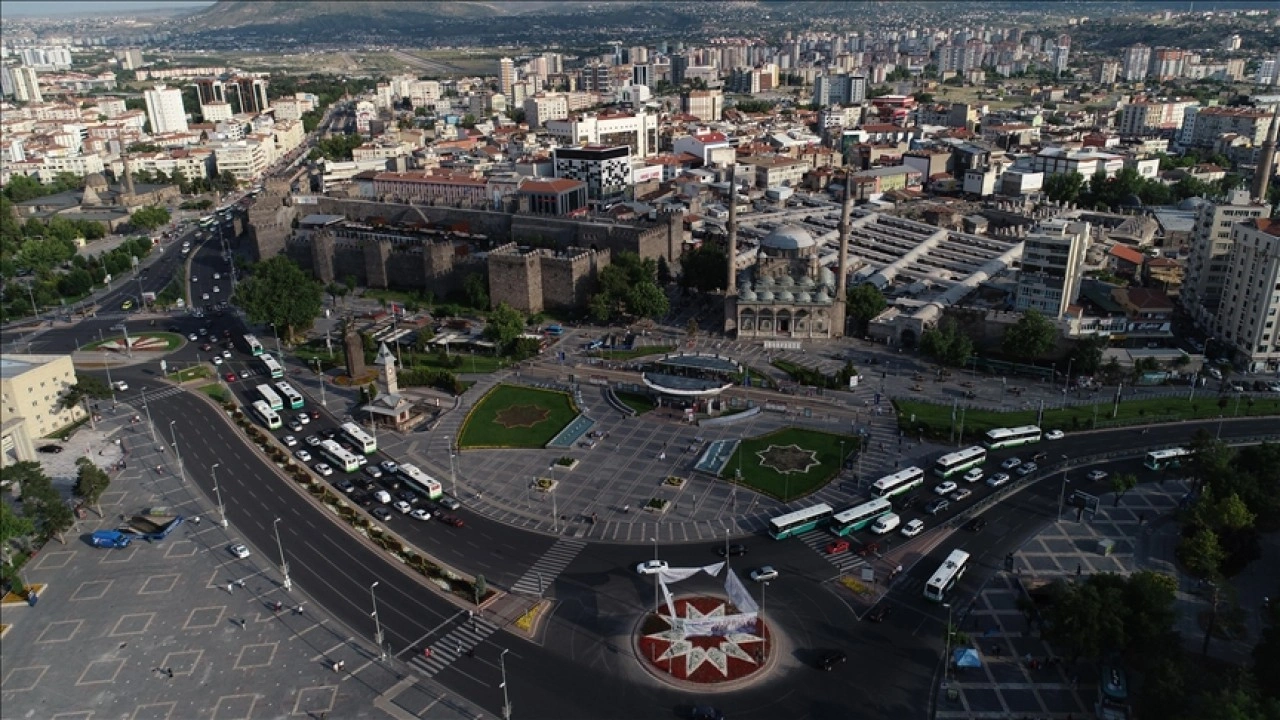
[651, 567]
[193, 277]
[294, 425]
[329, 433]
[1011, 463]
[1054, 435]
[204, 296]
[998, 479]
[913, 528]
[228, 345]
[193, 337]
[960, 494]
[420, 514]
[945, 487]
[974, 475]
[976, 524]
[120, 385]
[230, 377]
[302, 455]
[764, 573]
[382, 513]
[303, 418]
[373, 471]
[217, 360]
[837, 546]
[451, 520]
[217, 289]
[324, 469]
[217, 276]
[404, 507]
[1096, 475]
[1039, 456]
[1026, 469]
[127, 304]
[289, 440]
[239, 551]
[312, 440]
[345, 486]
[226, 354]
[449, 503]
[734, 550]
[830, 659]
[936, 506]
[408, 496]
[206, 347]
[881, 612]
[315, 414]
[705, 712]
[50, 449]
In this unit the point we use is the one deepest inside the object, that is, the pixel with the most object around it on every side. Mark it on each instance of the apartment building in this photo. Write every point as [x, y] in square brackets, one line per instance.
[1210, 251]
[540, 109]
[31, 392]
[706, 105]
[216, 111]
[1088, 162]
[1137, 59]
[776, 170]
[245, 159]
[1153, 118]
[26, 85]
[1213, 122]
[1247, 316]
[839, 90]
[164, 110]
[1052, 266]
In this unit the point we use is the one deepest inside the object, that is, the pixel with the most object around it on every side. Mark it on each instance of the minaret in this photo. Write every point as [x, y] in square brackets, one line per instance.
[128, 177]
[731, 250]
[846, 215]
[1262, 176]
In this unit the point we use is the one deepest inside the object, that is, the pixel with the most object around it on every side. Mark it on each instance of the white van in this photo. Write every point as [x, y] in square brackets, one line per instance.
[383, 497]
[885, 523]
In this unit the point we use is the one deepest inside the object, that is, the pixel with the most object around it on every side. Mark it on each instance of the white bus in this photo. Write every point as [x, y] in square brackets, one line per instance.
[266, 415]
[339, 456]
[421, 482]
[271, 398]
[1170, 457]
[271, 365]
[794, 523]
[960, 461]
[252, 345]
[1012, 437]
[947, 575]
[859, 516]
[291, 396]
[362, 439]
[899, 482]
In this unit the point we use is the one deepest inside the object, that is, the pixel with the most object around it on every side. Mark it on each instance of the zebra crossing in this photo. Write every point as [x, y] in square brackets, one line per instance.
[845, 562]
[453, 645]
[167, 391]
[544, 572]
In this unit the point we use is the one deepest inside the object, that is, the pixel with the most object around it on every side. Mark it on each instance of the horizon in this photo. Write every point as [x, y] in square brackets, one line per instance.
[74, 8]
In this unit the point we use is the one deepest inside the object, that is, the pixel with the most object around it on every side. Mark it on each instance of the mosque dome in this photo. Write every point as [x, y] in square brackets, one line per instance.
[788, 237]
[765, 296]
[786, 296]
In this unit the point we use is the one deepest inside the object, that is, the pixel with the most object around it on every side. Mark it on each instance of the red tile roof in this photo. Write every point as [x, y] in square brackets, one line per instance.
[550, 186]
[1128, 254]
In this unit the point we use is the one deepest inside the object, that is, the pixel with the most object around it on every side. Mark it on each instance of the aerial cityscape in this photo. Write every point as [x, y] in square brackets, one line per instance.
[636, 359]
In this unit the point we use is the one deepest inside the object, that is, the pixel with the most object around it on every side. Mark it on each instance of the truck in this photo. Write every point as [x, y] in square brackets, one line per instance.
[110, 539]
[152, 527]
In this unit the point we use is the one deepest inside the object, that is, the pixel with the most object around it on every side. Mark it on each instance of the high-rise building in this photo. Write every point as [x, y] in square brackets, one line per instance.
[1246, 317]
[839, 90]
[642, 75]
[1166, 63]
[679, 66]
[130, 58]
[706, 105]
[1136, 60]
[595, 78]
[1210, 250]
[605, 170]
[1107, 72]
[164, 110]
[211, 90]
[1052, 266]
[506, 75]
[251, 93]
[26, 86]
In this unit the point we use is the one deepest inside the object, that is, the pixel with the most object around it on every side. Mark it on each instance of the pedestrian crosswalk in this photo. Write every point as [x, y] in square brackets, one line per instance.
[845, 562]
[544, 572]
[453, 645]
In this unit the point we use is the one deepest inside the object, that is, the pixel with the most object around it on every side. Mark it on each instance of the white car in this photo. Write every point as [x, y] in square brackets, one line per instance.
[239, 551]
[651, 567]
[913, 528]
[324, 469]
[974, 475]
[302, 455]
[1027, 469]
[1096, 475]
[403, 507]
[226, 354]
[1011, 463]
[945, 487]
[313, 440]
[194, 278]
[420, 514]
[204, 296]
[1054, 435]
[217, 276]
[304, 418]
[120, 385]
[289, 440]
[217, 289]
[193, 337]
[217, 360]
[764, 574]
[998, 479]
[961, 494]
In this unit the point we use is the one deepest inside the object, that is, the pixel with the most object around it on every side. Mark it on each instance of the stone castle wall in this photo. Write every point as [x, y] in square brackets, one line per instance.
[515, 278]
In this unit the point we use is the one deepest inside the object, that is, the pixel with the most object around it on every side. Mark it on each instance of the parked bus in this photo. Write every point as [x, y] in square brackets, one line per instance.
[266, 415]
[1170, 457]
[362, 439]
[1012, 437]
[955, 462]
[794, 523]
[339, 457]
[859, 516]
[271, 365]
[947, 575]
[1113, 694]
[271, 398]
[898, 483]
[421, 482]
[291, 396]
[252, 345]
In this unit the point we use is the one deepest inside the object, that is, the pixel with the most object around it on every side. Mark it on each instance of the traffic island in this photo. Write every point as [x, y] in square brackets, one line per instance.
[705, 647]
[510, 416]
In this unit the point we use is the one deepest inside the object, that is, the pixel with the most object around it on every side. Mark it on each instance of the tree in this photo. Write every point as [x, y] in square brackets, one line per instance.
[702, 269]
[504, 326]
[91, 482]
[1064, 187]
[1087, 618]
[12, 526]
[42, 503]
[628, 287]
[1266, 654]
[279, 293]
[149, 218]
[476, 288]
[664, 271]
[862, 303]
[1086, 355]
[1201, 552]
[947, 344]
[1122, 483]
[86, 386]
[1032, 336]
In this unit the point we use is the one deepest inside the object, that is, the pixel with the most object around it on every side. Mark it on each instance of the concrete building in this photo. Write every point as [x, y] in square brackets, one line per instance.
[1246, 317]
[605, 170]
[561, 197]
[638, 131]
[506, 76]
[215, 111]
[245, 159]
[1137, 58]
[26, 86]
[130, 58]
[706, 105]
[164, 110]
[446, 189]
[540, 109]
[1207, 265]
[839, 90]
[31, 392]
[1106, 72]
[1153, 118]
[1088, 162]
[776, 170]
[1213, 122]
[1052, 266]
[703, 144]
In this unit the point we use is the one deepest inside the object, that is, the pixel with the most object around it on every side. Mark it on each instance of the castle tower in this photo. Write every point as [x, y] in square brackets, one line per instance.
[387, 363]
[128, 178]
[1262, 177]
[846, 213]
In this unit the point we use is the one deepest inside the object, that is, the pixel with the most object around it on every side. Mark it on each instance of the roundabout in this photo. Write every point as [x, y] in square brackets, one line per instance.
[729, 650]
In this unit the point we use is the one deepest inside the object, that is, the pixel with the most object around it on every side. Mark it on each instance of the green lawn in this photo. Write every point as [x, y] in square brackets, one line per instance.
[789, 486]
[532, 418]
[936, 419]
[637, 352]
[470, 362]
[195, 372]
[215, 391]
[640, 403]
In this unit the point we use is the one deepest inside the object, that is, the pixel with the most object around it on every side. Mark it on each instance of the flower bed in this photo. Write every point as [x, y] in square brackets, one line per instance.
[674, 481]
[566, 463]
[545, 485]
[656, 505]
[709, 660]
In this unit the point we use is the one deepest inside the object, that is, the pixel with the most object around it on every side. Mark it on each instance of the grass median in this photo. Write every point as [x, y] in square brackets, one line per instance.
[789, 463]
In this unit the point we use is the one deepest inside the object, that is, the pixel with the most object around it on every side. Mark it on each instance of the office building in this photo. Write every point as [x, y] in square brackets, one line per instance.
[211, 90]
[31, 392]
[706, 105]
[250, 94]
[1166, 64]
[164, 110]
[596, 78]
[1247, 316]
[1052, 266]
[637, 131]
[1210, 251]
[605, 170]
[839, 90]
[642, 75]
[679, 67]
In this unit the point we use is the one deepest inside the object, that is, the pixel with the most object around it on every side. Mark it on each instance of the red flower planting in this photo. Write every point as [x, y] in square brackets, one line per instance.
[710, 659]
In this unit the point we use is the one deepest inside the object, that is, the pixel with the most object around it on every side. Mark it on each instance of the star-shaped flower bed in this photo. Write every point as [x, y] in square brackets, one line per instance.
[788, 459]
[522, 416]
[711, 659]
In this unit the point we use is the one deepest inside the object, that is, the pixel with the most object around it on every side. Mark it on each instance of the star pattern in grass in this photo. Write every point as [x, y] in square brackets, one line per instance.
[788, 459]
[521, 416]
[714, 651]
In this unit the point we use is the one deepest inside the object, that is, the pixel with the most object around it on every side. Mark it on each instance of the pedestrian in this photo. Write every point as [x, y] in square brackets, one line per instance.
[169, 672]
[1142, 518]
[196, 519]
[231, 588]
[1079, 569]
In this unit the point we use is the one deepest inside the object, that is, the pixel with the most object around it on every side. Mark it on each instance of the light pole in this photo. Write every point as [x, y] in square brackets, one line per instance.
[1062, 490]
[763, 586]
[182, 472]
[323, 400]
[502, 666]
[655, 575]
[377, 624]
[453, 476]
[110, 384]
[222, 511]
[946, 658]
[147, 407]
[284, 564]
[276, 331]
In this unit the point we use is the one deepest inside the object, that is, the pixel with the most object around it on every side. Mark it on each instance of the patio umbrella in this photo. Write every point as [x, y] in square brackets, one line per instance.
[966, 658]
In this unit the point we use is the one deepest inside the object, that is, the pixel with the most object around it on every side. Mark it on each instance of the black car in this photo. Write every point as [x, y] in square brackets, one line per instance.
[880, 613]
[705, 712]
[830, 659]
[382, 513]
[976, 524]
[937, 506]
[52, 449]
[362, 498]
[408, 496]
[734, 550]
[329, 433]
[345, 486]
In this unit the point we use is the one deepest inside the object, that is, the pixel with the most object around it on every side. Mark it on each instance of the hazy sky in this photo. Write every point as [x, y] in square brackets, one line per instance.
[66, 8]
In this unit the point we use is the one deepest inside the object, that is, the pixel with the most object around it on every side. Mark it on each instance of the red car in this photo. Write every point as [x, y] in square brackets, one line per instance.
[231, 377]
[206, 347]
[453, 520]
[837, 546]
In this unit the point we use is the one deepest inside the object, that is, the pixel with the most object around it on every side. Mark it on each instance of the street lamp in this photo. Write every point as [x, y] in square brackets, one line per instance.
[276, 331]
[453, 476]
[555, 511]
[502, 665]
[110, 384]
[765, 645]
[284, 564]
[182, 472]
[655, 574]
[1062, 490]
[147, 407]
[946, 659]
[377, 624]
[222, 511]
[323, 400]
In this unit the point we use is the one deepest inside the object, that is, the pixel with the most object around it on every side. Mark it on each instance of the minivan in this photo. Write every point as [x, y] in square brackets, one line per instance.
[886, 523]
[383, 497]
